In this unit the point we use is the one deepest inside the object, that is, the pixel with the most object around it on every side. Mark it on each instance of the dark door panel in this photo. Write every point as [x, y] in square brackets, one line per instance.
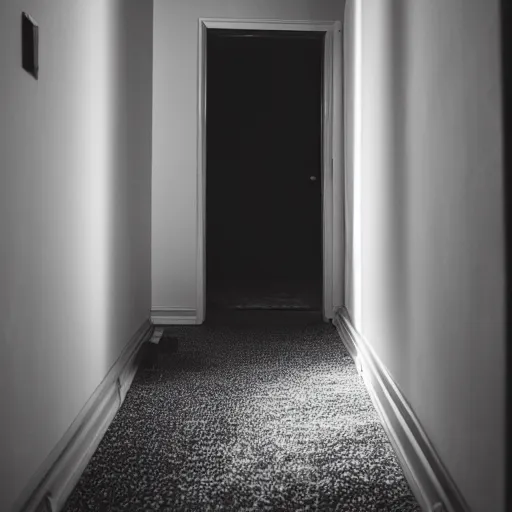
[263, 145]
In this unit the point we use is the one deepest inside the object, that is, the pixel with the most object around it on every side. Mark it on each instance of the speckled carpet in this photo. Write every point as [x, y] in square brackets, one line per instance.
[247, 415]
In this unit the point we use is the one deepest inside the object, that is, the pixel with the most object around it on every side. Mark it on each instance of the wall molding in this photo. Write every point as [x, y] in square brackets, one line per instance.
[56, 478]
[173, 316]
[428, 478]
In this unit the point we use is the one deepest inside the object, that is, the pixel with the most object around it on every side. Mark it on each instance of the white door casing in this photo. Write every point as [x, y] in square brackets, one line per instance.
[332, 154]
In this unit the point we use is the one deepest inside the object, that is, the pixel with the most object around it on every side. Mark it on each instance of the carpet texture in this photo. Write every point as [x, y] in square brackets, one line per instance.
[242, 417]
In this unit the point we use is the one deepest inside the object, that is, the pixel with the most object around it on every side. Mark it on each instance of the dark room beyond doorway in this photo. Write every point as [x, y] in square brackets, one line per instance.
[263, 170]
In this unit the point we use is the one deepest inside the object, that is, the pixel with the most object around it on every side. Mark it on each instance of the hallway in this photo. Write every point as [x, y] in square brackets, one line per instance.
[255, 411]
[399, 234]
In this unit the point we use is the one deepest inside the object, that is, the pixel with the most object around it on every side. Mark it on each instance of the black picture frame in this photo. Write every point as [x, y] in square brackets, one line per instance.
[30, 45]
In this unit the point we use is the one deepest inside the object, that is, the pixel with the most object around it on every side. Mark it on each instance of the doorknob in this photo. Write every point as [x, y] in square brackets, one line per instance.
[312, 178]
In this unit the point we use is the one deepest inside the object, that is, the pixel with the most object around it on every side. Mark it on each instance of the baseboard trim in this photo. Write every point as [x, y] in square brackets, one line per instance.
[428, 478]
[173, 316]
[52, 484]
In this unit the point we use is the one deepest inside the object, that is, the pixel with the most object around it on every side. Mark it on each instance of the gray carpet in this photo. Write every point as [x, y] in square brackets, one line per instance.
[242, 417]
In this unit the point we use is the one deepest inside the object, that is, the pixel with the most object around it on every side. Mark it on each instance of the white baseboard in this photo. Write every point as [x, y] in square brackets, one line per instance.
[173, 316]
[428, 478]
[52, 484]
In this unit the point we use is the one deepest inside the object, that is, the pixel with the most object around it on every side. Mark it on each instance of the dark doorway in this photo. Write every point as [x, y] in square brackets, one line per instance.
[263, 170]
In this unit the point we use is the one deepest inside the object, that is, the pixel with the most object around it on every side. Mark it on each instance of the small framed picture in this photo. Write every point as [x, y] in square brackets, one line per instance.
[29, 45]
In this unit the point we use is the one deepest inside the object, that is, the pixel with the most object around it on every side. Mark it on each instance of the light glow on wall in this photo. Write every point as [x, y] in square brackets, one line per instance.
[358, 168]
[98, 104]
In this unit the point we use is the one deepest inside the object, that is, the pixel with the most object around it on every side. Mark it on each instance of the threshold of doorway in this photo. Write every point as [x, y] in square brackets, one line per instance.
[262, 317]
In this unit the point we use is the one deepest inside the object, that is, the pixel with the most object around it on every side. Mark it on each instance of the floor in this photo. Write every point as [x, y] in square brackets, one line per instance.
[266, 295]
[250, 411]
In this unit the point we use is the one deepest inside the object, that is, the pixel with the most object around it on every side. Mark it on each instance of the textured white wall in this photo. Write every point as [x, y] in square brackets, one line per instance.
[175, 78]
[75, 217]
[432, 225]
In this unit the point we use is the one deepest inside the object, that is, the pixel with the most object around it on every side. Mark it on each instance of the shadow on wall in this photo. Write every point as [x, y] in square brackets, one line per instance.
[129, 265]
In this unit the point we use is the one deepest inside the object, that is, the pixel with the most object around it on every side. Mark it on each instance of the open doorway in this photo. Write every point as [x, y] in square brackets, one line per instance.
[330, 180]
[264, 170]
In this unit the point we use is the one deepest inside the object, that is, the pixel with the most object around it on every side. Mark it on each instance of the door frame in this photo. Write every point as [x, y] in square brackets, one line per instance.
[332, 154]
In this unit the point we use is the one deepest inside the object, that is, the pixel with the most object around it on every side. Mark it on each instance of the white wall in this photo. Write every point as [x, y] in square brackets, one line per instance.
[349, 111]
[175, 78]
[75, 219]
[432, 231]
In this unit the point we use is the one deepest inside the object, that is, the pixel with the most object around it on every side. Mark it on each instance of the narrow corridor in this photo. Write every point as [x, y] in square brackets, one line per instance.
[252, 411]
